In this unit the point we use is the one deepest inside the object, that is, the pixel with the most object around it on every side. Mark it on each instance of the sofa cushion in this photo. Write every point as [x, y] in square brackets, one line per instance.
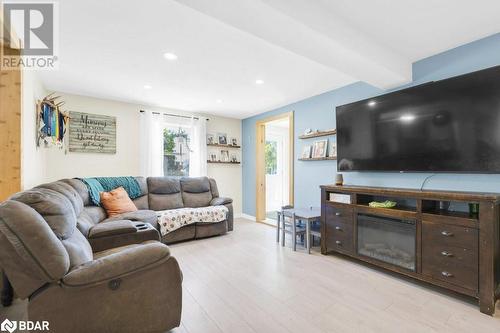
[147, 216]
[196, 191]
[68, 191]
[117, 202]
[39, 252]
[79, 187]
[164, 193]
[54, 207]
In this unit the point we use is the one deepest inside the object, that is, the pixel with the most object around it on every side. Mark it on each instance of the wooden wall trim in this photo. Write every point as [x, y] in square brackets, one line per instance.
[10, 132]
[260, 186]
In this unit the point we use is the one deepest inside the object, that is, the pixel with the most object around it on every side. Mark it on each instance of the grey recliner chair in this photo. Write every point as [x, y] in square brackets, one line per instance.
[132, 288]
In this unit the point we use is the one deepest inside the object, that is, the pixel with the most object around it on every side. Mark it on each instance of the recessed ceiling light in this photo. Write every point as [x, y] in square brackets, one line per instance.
[372, 103]
[407, 118]
[219, 101]
[147, 87]
[259, 81]
[170, 56]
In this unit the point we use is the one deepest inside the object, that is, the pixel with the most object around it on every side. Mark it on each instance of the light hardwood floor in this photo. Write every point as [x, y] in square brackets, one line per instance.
[245, 282]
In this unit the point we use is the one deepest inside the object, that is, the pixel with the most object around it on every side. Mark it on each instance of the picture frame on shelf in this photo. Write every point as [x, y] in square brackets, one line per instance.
[222, 138]
[210, 139]
[213, 156]
[320, 149]
[306, 152]
[234, 158]
[224, 155]
[233, 141]
[332, 151]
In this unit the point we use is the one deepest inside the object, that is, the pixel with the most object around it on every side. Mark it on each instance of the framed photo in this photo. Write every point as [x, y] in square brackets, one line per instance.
[306, 152]
[213, 156]
[233, 142]
[234, 158]
[224, 155]
[211, 139]
[320, 148]
[222, 138]
[333, 149]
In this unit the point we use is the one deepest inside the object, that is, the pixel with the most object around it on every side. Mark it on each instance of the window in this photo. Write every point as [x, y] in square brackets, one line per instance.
[176, 150]
[271, 157]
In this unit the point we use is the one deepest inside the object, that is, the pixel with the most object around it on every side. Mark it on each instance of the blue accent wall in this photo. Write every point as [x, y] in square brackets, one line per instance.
[318, 112]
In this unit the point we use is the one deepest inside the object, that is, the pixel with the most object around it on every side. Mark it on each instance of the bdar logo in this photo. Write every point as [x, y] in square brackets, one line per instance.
[8, 326]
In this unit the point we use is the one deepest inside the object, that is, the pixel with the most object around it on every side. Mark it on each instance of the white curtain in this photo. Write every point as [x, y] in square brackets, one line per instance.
[198, 157]
[151, 144]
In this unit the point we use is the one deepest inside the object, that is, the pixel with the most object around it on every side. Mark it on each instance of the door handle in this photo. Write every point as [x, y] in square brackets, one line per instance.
[338, 214]
[446, 274]
[338, 228]
[446, 233]
[338, 242]
[446, 254]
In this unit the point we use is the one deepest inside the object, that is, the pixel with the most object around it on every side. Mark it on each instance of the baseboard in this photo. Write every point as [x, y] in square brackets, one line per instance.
[245, 216]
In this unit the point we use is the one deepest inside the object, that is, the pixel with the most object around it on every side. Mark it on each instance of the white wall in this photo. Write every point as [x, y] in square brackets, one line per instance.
[33, 165]
[63, 164]
[228, 176]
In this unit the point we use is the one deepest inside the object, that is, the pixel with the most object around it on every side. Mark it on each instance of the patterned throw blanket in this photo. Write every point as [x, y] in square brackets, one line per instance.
[173, 219]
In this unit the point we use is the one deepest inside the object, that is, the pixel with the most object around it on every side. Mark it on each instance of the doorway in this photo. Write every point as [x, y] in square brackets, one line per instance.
[274, 162]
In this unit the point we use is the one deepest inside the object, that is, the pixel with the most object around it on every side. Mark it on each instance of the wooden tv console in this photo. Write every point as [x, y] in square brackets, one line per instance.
[453, 249]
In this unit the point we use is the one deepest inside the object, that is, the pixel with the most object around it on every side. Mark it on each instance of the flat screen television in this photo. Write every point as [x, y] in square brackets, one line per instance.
[451, 125]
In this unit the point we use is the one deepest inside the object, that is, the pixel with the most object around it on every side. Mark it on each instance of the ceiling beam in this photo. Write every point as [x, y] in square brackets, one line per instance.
[312, 30]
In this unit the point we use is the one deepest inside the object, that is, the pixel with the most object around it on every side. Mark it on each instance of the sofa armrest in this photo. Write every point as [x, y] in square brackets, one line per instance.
[220, 201]
[117, 264]
[113, 234]
[112, 228]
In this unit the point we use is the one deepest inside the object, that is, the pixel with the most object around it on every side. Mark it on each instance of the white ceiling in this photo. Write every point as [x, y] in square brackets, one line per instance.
[300, 48]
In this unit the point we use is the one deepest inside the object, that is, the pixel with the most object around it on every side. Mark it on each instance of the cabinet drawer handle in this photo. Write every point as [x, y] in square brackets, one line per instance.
[446, 233]
[338, 242]
[338, 228]
[446, 274]
[338, 214]
[447, 254]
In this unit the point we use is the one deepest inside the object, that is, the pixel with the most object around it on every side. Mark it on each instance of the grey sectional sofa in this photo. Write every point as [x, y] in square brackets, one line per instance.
[74, 263]
[162, 193]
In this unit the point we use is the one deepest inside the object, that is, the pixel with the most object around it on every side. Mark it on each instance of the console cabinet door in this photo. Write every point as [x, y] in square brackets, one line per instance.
[450, 254]
[339, 228]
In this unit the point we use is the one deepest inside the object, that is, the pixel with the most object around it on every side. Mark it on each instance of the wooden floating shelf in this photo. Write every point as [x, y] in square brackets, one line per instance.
[224, 146]
[318, 134]
[319, 158]
[221, 162]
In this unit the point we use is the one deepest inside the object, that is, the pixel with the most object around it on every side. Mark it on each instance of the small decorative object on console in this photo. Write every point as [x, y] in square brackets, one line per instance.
[339, 179]
[340, 198]
[384, 204]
